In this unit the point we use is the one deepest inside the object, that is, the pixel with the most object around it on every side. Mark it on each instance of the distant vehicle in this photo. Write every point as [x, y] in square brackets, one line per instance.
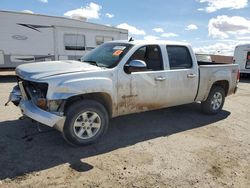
[242, 58]
[29, 38]
[119, 78]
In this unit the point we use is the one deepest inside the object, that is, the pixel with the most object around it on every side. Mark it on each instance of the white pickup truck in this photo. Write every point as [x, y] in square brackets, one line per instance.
[118, 78]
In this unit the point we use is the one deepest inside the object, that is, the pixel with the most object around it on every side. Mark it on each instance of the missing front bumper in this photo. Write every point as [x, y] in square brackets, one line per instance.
[32, 111]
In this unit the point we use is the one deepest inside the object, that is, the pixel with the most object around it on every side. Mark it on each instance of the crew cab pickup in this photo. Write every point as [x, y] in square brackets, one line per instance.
[121, 77]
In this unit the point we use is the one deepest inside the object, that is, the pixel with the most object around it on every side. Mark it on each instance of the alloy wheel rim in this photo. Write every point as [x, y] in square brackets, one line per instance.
[87, 125]
[216, 101]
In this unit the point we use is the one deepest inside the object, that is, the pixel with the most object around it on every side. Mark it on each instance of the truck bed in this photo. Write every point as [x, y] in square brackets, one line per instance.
[208, 72]
[211, 63]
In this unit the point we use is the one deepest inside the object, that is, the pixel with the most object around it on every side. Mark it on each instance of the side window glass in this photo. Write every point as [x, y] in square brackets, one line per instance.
[151, 55]
[179, 57]
[140, 54]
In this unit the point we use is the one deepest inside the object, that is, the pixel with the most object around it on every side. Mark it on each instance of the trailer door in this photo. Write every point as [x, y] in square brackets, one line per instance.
[1, 57]
[248, 60]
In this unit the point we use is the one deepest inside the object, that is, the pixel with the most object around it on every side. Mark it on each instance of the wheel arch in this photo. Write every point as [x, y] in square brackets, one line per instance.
[101, 97]
[221, 83]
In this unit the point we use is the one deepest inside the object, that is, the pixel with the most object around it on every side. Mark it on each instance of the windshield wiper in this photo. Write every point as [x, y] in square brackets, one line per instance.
[92, 63]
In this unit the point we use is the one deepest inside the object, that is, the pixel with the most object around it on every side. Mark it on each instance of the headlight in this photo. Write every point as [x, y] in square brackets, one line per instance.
[54, 105]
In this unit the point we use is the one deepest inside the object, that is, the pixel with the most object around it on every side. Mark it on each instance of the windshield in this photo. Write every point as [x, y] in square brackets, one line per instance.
[107, 55]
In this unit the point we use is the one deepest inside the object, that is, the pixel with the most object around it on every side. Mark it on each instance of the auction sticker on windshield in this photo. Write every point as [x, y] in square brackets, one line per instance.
[117, 52]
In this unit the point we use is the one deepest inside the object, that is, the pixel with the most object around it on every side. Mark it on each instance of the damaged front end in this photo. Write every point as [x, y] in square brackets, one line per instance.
[31, 98]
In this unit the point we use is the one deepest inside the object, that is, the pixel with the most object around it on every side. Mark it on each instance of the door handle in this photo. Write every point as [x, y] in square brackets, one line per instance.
[191, 75]
[160, 78]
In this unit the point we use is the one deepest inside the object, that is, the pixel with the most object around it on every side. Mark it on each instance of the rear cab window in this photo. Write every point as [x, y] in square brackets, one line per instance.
[179, 57]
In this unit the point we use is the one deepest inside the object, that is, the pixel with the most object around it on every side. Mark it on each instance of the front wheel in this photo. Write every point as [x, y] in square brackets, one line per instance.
[86, 122]
[215, 101]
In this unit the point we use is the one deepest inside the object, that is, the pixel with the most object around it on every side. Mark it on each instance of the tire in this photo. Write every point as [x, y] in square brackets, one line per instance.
[86, 122]
[215, 101]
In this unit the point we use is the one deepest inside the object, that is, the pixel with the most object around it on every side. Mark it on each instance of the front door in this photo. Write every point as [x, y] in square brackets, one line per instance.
[142, 91]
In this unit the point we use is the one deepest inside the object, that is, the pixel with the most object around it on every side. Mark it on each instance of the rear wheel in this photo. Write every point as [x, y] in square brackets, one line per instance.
[86, 122]
[215, 101]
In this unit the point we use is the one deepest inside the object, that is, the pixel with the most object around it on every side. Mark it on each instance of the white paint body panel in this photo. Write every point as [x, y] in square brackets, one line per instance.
[131, 93]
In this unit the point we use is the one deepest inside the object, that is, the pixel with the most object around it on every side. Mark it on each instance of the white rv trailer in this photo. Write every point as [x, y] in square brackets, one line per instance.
[29, 38]
[242, 57]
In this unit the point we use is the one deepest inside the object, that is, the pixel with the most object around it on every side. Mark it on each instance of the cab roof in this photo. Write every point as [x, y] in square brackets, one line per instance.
[151, 42]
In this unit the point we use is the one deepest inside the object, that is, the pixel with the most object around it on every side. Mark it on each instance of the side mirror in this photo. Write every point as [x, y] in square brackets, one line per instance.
[135, 66]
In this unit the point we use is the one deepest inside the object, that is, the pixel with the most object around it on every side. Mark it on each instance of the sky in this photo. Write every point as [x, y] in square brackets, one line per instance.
[210, 26]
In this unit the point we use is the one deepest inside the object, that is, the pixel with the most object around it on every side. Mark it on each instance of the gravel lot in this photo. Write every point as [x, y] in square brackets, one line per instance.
[174, 147]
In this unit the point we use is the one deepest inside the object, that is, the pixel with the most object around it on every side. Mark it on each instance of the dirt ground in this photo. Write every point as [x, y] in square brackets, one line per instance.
[174, 147]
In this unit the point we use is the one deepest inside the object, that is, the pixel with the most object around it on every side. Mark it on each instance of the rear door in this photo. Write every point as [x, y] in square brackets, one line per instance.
[182, 75]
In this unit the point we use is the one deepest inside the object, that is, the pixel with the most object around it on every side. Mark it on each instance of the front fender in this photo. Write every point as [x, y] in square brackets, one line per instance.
[74, 87]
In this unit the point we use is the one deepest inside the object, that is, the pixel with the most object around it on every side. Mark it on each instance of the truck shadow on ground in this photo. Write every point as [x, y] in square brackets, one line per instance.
[24, 150]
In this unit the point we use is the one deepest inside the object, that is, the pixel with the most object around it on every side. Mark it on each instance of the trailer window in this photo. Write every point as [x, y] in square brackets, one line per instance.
[101, 39]
[74, 42]
[248, 61]
[179, 57]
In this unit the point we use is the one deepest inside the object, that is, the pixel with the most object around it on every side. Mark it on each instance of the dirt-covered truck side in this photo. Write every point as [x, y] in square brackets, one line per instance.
[118, 78]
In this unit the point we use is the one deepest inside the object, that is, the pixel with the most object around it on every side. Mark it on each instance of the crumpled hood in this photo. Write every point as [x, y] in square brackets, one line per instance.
[34, 71]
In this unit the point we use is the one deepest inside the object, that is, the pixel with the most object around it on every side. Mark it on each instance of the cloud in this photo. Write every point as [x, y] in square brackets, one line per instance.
[28, 11]
[217, 48]
[43, 1]
[214, 5]
[91, 11]
[108, 15]
[221, 47]
[191, 27]
[151, 37]
[132, 29]
[223, 26]
[168, 35]
[158, 30]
